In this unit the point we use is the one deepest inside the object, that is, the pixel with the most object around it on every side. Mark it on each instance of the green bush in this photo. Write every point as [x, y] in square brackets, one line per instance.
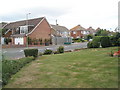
[29, 41]
[88, 37]
[95, 44]
[78, 40]
[115, 41]
[89, 45]
[105, 41]
[48, 51]
[10, 67]
[40, 40]
[60, 49]
[7, 40]
[97, 39]
[31, 52]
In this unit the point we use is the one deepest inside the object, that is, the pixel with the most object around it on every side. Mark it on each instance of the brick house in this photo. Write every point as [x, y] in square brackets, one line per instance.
[59, 31]
[78, 32]
[91, 31]
[35, 29]
[60, 35]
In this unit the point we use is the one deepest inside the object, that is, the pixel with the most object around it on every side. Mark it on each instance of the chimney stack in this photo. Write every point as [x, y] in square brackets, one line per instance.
[56, 22]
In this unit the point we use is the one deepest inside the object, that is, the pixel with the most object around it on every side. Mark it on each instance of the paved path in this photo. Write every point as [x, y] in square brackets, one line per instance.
[14, 53]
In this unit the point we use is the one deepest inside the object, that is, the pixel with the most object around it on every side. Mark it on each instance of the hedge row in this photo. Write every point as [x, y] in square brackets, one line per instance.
[10, 67]
[78, 40]
[104, 41]
[31, 52]
[59, 50]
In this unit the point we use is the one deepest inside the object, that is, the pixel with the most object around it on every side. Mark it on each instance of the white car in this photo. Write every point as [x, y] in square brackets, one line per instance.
[90, 39]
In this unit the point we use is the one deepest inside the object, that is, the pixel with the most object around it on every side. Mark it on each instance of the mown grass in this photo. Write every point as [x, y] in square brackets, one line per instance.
[90, 68]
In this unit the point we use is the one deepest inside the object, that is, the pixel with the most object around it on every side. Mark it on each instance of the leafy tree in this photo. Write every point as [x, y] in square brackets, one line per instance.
[3, 31]
[102, 32]
[98, 33]
[117, 35]
[89, 37]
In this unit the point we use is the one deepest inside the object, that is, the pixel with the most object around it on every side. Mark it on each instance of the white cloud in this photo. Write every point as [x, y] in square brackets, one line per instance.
[95, 13]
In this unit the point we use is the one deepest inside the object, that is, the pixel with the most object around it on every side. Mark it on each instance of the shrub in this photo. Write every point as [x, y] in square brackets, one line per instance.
[31, 52]
[105, 42]
[29, 41]
[78, 40]
[88, 37]
[10, 67]
[40, 40]
[89, 45]
[118, 42]
[47, 42]
[7, 40]
[95, 44]
[97, 39]
[82, 40]
[48, 51]
[60, 49]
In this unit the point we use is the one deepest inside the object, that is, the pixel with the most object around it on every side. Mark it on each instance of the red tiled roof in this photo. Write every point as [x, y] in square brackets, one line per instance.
[78, 27]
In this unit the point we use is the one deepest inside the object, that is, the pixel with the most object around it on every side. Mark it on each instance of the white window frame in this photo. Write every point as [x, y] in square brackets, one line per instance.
[23, 29]
[74, 32]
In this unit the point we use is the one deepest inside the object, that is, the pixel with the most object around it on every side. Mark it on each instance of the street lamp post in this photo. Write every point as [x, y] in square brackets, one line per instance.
[27, 29]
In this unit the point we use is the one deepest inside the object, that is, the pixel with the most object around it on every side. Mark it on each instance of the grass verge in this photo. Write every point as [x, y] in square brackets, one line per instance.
[89, 68]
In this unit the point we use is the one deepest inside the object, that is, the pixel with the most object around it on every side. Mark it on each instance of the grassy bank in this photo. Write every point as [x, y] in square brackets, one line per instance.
[89, 68]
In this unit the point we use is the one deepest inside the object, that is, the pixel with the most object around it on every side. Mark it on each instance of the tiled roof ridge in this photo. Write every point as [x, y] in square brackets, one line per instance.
[25, 20]
[77, 27]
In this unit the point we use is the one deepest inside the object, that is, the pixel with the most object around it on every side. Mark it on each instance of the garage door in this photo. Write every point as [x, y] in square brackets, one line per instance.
[19, 41]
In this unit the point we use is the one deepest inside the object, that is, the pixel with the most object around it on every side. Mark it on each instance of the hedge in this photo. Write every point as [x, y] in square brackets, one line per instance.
[96, 42]
[105, 42]
[48, 51]
[97, 39]
[78, 40]
[60, 49]
[10, 67]
[31, 52]
[89, 45]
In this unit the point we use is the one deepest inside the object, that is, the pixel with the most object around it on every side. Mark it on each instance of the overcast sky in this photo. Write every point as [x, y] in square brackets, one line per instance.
[69, 13]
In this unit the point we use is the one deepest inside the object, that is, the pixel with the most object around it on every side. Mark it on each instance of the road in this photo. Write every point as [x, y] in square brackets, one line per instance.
[15, 53]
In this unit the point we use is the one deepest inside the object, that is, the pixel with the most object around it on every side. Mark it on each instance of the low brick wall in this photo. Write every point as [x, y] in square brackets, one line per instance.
[19, 46]
[12, 46]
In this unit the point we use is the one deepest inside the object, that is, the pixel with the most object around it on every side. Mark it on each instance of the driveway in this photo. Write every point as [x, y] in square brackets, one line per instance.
[15, 53]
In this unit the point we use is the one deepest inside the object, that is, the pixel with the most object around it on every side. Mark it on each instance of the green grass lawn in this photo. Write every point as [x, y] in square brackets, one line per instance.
[89, 68]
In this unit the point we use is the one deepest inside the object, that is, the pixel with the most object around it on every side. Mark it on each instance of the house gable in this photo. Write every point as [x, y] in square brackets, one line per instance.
[60, 31]
[14, 27]
[42, 30]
